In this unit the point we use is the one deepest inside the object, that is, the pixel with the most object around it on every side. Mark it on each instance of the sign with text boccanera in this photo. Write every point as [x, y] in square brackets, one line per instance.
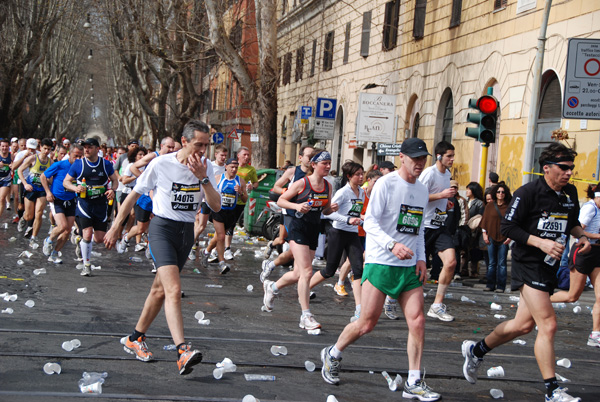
[376, 118]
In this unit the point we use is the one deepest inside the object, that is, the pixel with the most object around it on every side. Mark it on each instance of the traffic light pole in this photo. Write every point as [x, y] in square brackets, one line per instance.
[483, 165]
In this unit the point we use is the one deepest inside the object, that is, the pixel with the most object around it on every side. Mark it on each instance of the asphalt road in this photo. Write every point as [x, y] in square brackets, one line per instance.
[31, 337]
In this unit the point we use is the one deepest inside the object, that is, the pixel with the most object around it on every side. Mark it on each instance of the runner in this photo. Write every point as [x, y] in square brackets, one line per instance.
[62, 204]
[179, 180]
[437, 239]
[95, 179]
[540, 213]
[14, 188]
[5, 175]
[586, 265]
[35, 196]
[231, 187]
[394, 265]
[29, 148]
[305, 200]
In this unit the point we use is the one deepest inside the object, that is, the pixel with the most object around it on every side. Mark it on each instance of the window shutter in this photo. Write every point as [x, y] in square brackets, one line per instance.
[456, 10]
[419, 21]
[366, 34]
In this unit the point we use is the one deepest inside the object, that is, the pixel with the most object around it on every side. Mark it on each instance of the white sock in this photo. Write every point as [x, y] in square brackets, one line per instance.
[271, 265]
[86, 251]
[357, 310]
[306, 312]
[413, 376]
[274, 287]
[340, 281]
[390, 300]
[335, 353]
[595, 334]
[436, 305]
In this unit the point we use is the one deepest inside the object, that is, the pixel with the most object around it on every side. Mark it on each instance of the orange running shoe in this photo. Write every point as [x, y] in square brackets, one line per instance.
[187, 359]
[137, 348]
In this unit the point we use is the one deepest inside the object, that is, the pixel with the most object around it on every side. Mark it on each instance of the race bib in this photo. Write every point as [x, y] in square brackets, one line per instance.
[228, 201]
[439, 218]
[185, 197]
[95, 191]
[409, 220]
[319, 201]
[35, 178]
[552, 225]
[356, 208]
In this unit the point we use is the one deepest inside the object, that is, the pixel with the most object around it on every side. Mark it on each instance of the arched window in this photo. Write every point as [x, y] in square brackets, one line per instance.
[445, 118]
[549, 114]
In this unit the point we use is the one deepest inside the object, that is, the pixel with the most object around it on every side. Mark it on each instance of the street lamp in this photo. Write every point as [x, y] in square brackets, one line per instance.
[87, 23]
[90, 56]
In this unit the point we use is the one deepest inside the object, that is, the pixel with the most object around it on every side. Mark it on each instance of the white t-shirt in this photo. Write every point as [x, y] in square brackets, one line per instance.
[435, 182]
[349, 206]
[177, 192]
[395, 212]
[20, 155]
[123, 169]
[589, 215]
[219, 170]
[129, 186]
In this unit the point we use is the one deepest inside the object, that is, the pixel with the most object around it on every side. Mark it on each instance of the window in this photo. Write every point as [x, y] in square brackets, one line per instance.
[366, 34]
[419, 21]
[314, 58]
[500, 4]
[390, 24]
[525, 5]
[287, 68]
[347, 44]
[456, 9]
[299, 63]
[328, 52]
[214, 99]
[448, 121]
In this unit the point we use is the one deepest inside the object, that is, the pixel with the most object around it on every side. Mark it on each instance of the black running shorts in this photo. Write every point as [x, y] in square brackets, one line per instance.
[170, 241]
[585, 263]
[304, 233]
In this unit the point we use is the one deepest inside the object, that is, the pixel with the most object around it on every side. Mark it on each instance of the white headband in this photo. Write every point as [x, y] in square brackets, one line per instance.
[597, 194]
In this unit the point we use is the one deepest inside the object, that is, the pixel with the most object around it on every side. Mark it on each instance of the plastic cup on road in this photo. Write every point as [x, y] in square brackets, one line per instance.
[495, 306]
[278, 350]
[199, 315]
[496, 393]
[67, 345]
[566, 363]
[95, 388]
[310, 366]
[577, 309]
[496, 372]
[52, 368]
[204, 322]
[8, 311]
[76, 343]
[332, 398]
[249, 288]
[218, 373]
[250, 398]
[82, 290]
[30, 303]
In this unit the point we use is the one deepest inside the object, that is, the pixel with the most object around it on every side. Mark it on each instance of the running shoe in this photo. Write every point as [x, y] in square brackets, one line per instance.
[228, 254]
[560, 395]
[54, 258]
[420, 391]
[139, 247]
[204, 258]
[340, 289]
[214, 257]
[269, 250]
[48, 246]
[86, 270]
[51, 229]
[187, 359]
[22, 225]
[33, 243]
[472, 362]
[266, 271]
[137, 348]
[269, 295]
[192, 255]
[122, 245]
[78, 249]
[319, 262]
[8, 205]
[355, 317]
[224, 267]
[594, 341]
[391, 309]
[308, 322]
[331, 367]
[15, 219]
[440, 313]
[28, 231]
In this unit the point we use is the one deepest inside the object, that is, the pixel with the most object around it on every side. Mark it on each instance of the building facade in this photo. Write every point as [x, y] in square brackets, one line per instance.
[433, 56]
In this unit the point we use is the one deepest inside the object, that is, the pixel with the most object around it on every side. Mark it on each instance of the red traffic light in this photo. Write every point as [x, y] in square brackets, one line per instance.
[487, 104]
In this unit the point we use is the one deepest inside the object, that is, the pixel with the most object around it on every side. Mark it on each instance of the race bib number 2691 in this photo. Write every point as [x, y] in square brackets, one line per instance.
[185, 197]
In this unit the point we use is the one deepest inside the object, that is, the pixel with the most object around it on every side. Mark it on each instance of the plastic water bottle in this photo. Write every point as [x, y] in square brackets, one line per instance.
[83, 194]
[301, 214]
[135, 259]
[561, 240]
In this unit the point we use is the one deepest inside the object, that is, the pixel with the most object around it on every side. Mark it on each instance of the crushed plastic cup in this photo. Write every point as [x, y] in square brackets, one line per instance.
[250, 398]
[496, 372]
[96, 254]
[136, 259]
[392, 385]
[249, 288]
[314, 331]
[566, 363]
[227, 365]
[496, 393]
[519, 342]
[258, 254]
[199, 315]
[561, 378]
[11, 298]
[30, 303]
[67, 345]
[277, 350]
[76, 343]
[309, 366]
[26, 254]
[94, 388]
[52, 368]
[500, 316]
[218, 373]
[466, 299]
[39, 271]
[495, 306]
[34, 246]
[8, 311]
[237, 252]
[577, 309]
[259, 377]
[204, 322]
[82, 290]
[20, 262]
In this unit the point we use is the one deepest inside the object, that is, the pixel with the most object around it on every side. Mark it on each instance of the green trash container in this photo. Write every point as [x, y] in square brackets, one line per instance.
[257, 200]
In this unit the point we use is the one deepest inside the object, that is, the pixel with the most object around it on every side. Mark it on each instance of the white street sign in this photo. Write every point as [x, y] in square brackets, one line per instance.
[376, 117]
[582, 80]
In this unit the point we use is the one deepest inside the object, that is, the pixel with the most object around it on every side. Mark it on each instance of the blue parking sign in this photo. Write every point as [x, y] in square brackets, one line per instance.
[326, 108]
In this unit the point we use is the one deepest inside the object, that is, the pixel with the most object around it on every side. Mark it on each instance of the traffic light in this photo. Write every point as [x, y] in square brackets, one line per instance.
[485, 120]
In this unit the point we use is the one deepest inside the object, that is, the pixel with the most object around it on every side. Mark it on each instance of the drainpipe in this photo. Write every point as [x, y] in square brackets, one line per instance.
[535, 95]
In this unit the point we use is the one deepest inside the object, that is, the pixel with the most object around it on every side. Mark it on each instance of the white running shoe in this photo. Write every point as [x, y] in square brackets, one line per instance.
[214, 256]
[22, 224]
[440, 313]
[308, 322]
[55, 259]
[86, 270]
[269, 296]
[224, 267]
[122, 245]
[472, 363]
[560, 395]
[331, 367]
[228, 254]
[139, 247]
[391, 309]
[594, 341]
[48, 246]
[268, 250]
[192, 255]
[266, 271]
[420, 391]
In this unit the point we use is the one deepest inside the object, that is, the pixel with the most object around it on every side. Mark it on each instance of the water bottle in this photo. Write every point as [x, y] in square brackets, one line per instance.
[301, 214]
[561, 240]
[135, 259]
[83, 194]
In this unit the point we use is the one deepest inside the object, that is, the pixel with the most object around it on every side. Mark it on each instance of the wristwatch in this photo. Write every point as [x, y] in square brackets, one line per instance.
[206, 180]
[390, 245]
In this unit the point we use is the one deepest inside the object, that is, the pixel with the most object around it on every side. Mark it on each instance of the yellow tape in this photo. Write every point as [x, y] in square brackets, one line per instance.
[11, 279]
[572, 178]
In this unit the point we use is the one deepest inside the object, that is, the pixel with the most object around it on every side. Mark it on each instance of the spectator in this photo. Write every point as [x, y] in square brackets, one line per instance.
[476, 207]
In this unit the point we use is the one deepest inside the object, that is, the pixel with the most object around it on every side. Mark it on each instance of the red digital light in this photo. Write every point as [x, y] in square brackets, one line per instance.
[487, 104]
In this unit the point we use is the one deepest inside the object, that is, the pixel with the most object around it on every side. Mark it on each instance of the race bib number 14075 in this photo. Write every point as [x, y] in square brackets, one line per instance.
[185, 197]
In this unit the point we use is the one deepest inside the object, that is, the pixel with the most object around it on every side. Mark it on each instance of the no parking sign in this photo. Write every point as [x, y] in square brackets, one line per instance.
[582, 80]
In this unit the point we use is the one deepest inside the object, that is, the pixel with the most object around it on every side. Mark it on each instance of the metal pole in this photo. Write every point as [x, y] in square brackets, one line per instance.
[535, 95]
[483, 167]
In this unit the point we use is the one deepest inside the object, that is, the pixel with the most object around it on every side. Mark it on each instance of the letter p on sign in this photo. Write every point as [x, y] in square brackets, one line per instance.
[326, 108]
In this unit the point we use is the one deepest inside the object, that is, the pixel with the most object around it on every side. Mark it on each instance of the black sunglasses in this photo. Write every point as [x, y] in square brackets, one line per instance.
[500, 192]
[561, 166]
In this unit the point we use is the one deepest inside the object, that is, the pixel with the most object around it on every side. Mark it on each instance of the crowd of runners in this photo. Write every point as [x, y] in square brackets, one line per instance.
[382, 229]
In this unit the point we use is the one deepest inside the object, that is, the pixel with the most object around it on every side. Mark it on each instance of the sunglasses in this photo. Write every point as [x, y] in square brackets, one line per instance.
[500, 192]
[561, 166]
